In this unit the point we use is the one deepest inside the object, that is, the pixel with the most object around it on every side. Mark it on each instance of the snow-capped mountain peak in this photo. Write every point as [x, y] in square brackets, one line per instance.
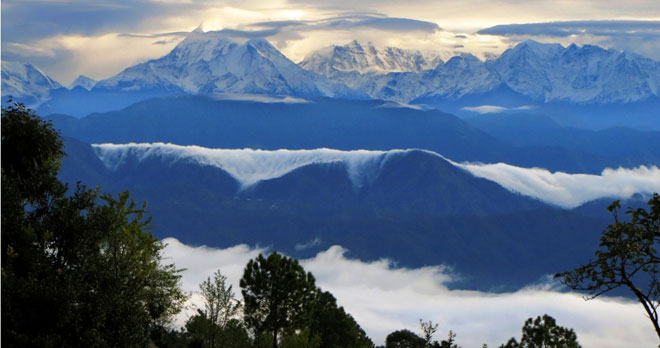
[212, 63]
[84, 82]
[366, 58]
[26, 82]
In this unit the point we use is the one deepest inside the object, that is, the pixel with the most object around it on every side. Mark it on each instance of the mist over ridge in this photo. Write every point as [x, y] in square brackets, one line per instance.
[250, 166]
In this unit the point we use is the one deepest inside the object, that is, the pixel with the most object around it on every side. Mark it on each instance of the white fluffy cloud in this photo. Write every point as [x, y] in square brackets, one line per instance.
[384, 298]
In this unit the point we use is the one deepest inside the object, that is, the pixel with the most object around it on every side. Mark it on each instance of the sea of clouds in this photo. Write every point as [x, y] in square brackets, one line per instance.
[383, 298]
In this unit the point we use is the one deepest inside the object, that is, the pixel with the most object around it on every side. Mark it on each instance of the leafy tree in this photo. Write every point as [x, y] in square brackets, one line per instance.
[301, 339]
[628, 258]
[544, 333]
[404, 339]
[335, 327]
[278, 295]
[219, 308]
[428, 328]
[78, 269]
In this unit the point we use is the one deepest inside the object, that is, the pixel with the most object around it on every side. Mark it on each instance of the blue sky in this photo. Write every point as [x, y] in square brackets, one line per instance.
[99, 38]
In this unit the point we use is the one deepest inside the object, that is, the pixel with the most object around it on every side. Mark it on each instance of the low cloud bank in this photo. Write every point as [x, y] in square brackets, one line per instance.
[384, 298]
[569, 190]
[494, 109]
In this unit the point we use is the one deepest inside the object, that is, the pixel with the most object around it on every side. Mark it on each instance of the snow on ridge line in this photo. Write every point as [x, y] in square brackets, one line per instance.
[249, 166]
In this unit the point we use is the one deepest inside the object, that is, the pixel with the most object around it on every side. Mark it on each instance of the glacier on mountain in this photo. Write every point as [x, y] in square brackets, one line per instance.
[249, 166]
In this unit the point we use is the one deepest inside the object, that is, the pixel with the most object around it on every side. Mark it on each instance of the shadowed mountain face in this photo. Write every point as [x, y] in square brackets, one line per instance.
[412, 206]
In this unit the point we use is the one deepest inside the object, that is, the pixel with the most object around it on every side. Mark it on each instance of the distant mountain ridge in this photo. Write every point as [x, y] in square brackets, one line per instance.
[542, 72]
[208, 63]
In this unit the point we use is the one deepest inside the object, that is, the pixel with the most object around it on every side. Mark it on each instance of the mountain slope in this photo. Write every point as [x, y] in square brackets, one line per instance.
[26, 83]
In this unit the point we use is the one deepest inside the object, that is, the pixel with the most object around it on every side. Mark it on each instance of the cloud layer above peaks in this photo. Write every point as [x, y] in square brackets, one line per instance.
[384, 298]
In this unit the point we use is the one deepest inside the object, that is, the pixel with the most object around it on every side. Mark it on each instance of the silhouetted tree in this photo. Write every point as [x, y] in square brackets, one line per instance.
[628, 258]
[404, 339]
[544, 333]
[335, 327]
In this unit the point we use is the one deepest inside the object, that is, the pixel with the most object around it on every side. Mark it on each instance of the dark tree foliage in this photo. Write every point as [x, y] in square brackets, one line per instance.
[232, 334]
[544, 333]
[335, 327]
[449, 343]
[404, 339]
[79, 269]
[278, 295]
[628, 258]
[210, 327]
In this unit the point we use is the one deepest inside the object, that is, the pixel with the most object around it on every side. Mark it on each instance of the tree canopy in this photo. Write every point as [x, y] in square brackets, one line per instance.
[278, 295]
[79, 268]
[543, 332]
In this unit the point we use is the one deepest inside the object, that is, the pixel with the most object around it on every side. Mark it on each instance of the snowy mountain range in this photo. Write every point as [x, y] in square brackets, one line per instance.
[366, 58]
[208, 63]
[542, 72]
